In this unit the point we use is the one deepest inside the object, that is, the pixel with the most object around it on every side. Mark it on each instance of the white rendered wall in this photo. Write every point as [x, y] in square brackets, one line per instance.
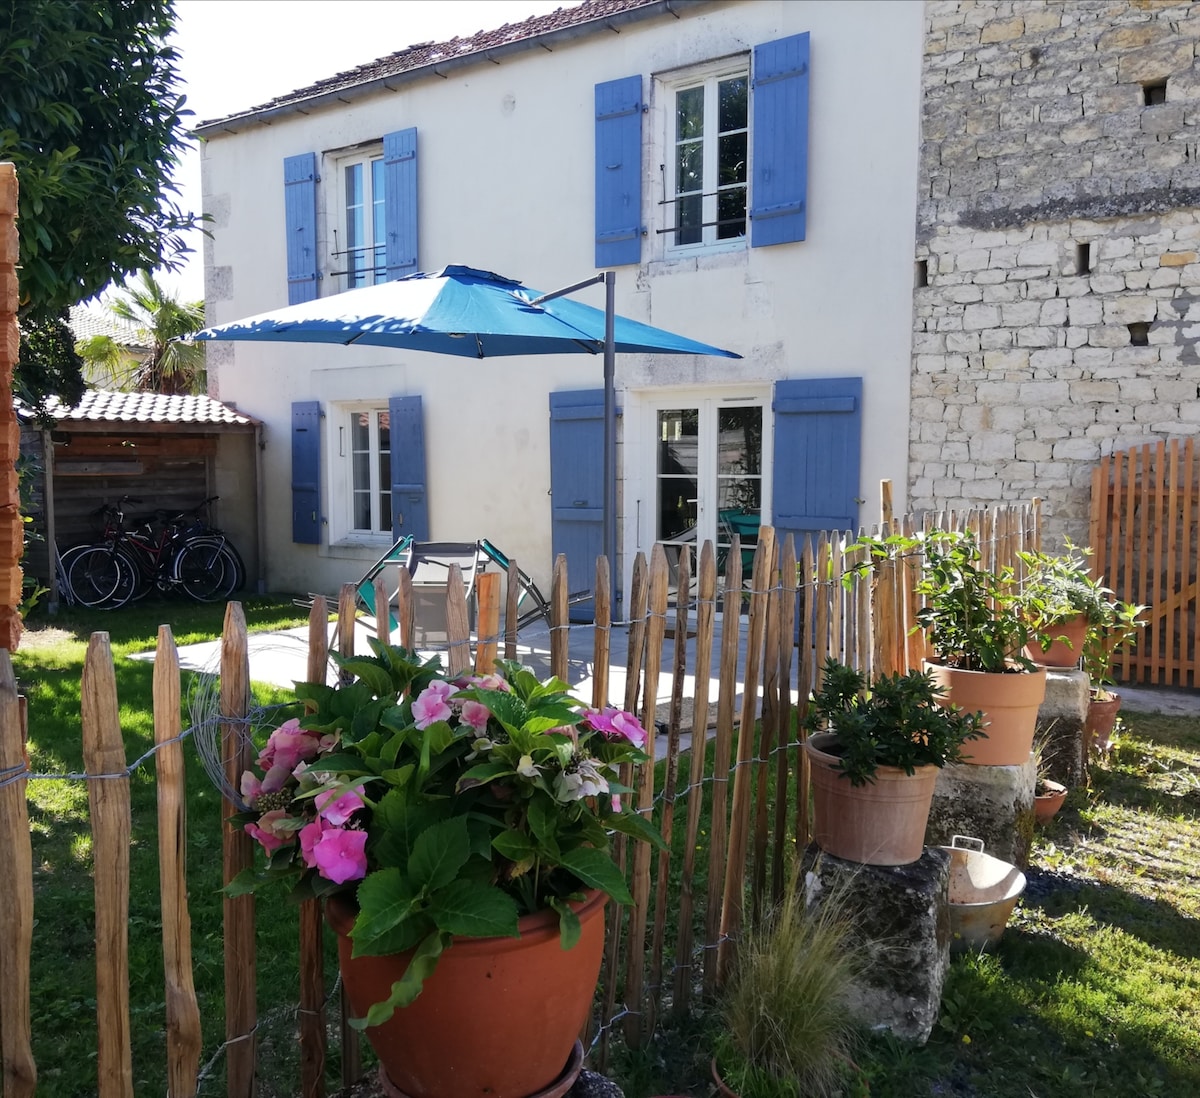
[506, 183]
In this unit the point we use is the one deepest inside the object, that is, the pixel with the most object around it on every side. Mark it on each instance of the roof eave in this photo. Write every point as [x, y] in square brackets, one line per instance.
[233, 124]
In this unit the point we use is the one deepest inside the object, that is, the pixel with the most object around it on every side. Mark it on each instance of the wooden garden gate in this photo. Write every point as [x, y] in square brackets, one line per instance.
[1145, 531]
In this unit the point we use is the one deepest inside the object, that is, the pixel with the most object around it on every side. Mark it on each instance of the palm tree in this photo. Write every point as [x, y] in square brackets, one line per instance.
[161, 319]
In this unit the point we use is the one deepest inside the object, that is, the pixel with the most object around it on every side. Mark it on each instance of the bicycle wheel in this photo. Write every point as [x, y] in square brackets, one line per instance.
[98, 577]
[205, 570]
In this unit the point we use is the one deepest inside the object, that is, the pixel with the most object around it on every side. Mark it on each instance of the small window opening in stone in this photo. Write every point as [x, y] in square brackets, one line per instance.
[922, 275]
[1083, 259]
[1139, 334]
[1154, 93]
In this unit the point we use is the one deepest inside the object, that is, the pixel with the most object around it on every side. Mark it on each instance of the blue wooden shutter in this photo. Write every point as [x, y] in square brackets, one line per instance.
[400, 201]
[818, 428]
[779, 189]
[577, 488]
[410, 503]
[619, 172]
[300, 206]
[306, 472]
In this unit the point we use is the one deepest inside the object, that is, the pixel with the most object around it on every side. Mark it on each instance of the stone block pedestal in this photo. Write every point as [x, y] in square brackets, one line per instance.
[992, 803]
[902, 917]
[1060, 724]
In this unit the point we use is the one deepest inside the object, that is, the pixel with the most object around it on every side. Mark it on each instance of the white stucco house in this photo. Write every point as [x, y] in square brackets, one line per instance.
[749, 170]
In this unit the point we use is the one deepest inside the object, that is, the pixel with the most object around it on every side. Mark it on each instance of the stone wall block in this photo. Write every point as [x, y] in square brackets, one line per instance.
[1155, 62]
[991, 803]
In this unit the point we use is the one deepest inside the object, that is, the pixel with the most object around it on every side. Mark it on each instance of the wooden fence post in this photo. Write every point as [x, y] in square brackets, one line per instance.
[602, 636]
[108, 797]
[241, 1011]
[183, 1013]
[487, 625]
[458, 623]
[786, 644]
[18, 1072]
[560, 632]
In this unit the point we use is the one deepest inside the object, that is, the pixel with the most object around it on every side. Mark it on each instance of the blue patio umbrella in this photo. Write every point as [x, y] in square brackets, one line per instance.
[475, 314]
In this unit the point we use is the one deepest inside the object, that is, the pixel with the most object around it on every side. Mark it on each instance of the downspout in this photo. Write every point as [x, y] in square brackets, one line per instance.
[260, 532]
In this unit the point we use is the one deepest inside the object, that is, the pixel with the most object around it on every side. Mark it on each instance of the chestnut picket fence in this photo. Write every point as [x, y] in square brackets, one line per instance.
[798, 606]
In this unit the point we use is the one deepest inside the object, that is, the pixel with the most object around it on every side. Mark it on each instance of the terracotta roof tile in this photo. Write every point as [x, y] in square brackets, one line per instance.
[426, 54]
[103, 405]
[87, 321]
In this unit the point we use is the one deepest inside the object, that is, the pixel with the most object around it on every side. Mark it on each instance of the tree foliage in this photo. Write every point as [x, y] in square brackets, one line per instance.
[91, 115]
[161, 320]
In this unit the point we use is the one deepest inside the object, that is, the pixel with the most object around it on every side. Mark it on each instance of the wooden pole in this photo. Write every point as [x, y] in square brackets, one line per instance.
[602, 636]
[241, 1015]
[560, 632]
[512, 610]
[406, 610]
[183, 1013]
[18, 1072]
[768, 737]
[786, 646]
[487, 628]
[108, 797]
[458, 623]
[885, 504]
[313, 1042]
[804, 683]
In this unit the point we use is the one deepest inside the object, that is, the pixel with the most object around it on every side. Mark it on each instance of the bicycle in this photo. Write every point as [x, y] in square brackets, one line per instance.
[167, 551]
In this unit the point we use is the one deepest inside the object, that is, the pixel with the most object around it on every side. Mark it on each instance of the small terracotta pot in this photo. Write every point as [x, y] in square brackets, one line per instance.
[1047, 803]
[1099, 724]
[880, 823]
[1066, 645]
[722, 1090]
[498, 1018]
[1009, 702]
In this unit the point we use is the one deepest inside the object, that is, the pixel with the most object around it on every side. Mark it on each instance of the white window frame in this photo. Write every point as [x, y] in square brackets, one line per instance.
[341, 477]
[366, 158]
[667, 86]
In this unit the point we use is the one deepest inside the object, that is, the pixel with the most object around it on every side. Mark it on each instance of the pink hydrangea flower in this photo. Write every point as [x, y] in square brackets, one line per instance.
[433, 704]
[476, 715]
[335, 809]
[617, 724]
[341, 855]
[310, 835]
[266, 831]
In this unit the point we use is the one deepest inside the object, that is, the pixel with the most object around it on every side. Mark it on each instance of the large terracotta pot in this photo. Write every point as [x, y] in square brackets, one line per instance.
[1009, 702]
[1099, 723]
[1062, 652]
[880, 823]
[498, 1018]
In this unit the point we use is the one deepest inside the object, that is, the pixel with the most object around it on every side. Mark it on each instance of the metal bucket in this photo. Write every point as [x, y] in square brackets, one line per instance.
[983, 892]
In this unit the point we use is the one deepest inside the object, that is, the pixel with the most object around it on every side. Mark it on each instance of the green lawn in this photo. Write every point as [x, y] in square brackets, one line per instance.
[1094, 990]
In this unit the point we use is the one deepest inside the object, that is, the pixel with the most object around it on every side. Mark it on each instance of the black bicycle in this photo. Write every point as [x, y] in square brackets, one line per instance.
[165, 551]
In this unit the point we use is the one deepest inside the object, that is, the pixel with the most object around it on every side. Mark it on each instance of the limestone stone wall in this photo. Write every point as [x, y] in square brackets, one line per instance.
[1059, 237]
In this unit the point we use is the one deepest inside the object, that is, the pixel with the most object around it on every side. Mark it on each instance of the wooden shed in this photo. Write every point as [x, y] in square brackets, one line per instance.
[169, 452]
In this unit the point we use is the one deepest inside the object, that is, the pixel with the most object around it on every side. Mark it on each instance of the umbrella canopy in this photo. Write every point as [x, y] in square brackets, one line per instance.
[456, 311]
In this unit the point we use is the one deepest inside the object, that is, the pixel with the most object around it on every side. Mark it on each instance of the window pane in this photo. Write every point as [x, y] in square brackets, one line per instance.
[731, 104]
[355, 225]
[740, 447]
[689, 114]
[731, 211]
[362, 510]
[689, 214]
[678, 455]
[689, 167]
[731, 158]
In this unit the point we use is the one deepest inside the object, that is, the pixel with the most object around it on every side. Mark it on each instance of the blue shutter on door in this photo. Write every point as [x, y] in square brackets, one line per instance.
[300, 208]
[400, 201]
[818, 429]
[779, 189]
[577, 488]
[306, 472]
[619, 172]
[410, 503]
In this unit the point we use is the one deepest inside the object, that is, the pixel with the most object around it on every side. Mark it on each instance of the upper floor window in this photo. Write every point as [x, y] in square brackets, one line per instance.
[707, 184]
[364, 251]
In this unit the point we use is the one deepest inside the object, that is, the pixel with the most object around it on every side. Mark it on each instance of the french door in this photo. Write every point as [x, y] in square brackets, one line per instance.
[709, 481]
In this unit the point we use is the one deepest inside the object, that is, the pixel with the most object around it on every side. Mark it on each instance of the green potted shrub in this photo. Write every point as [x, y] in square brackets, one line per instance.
[875, 755]
[977, 625]
[787, 1030]
[1061, 599]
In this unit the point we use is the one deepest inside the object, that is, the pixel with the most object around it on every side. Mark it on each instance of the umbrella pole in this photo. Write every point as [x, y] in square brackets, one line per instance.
[610, 430]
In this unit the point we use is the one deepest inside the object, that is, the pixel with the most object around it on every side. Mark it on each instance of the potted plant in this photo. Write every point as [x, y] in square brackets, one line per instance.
[458, 830]
[1048, 795]
[787, 1027]
[1119, 625]
[875, 756]
[978, 629]
[1061, 599]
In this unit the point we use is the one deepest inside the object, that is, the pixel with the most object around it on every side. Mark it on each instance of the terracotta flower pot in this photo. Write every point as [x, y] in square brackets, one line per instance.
[880, 823]
[1009, 702]
[1099, 723]
[1061, 653]
[498, 1018]
[1049, 800]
